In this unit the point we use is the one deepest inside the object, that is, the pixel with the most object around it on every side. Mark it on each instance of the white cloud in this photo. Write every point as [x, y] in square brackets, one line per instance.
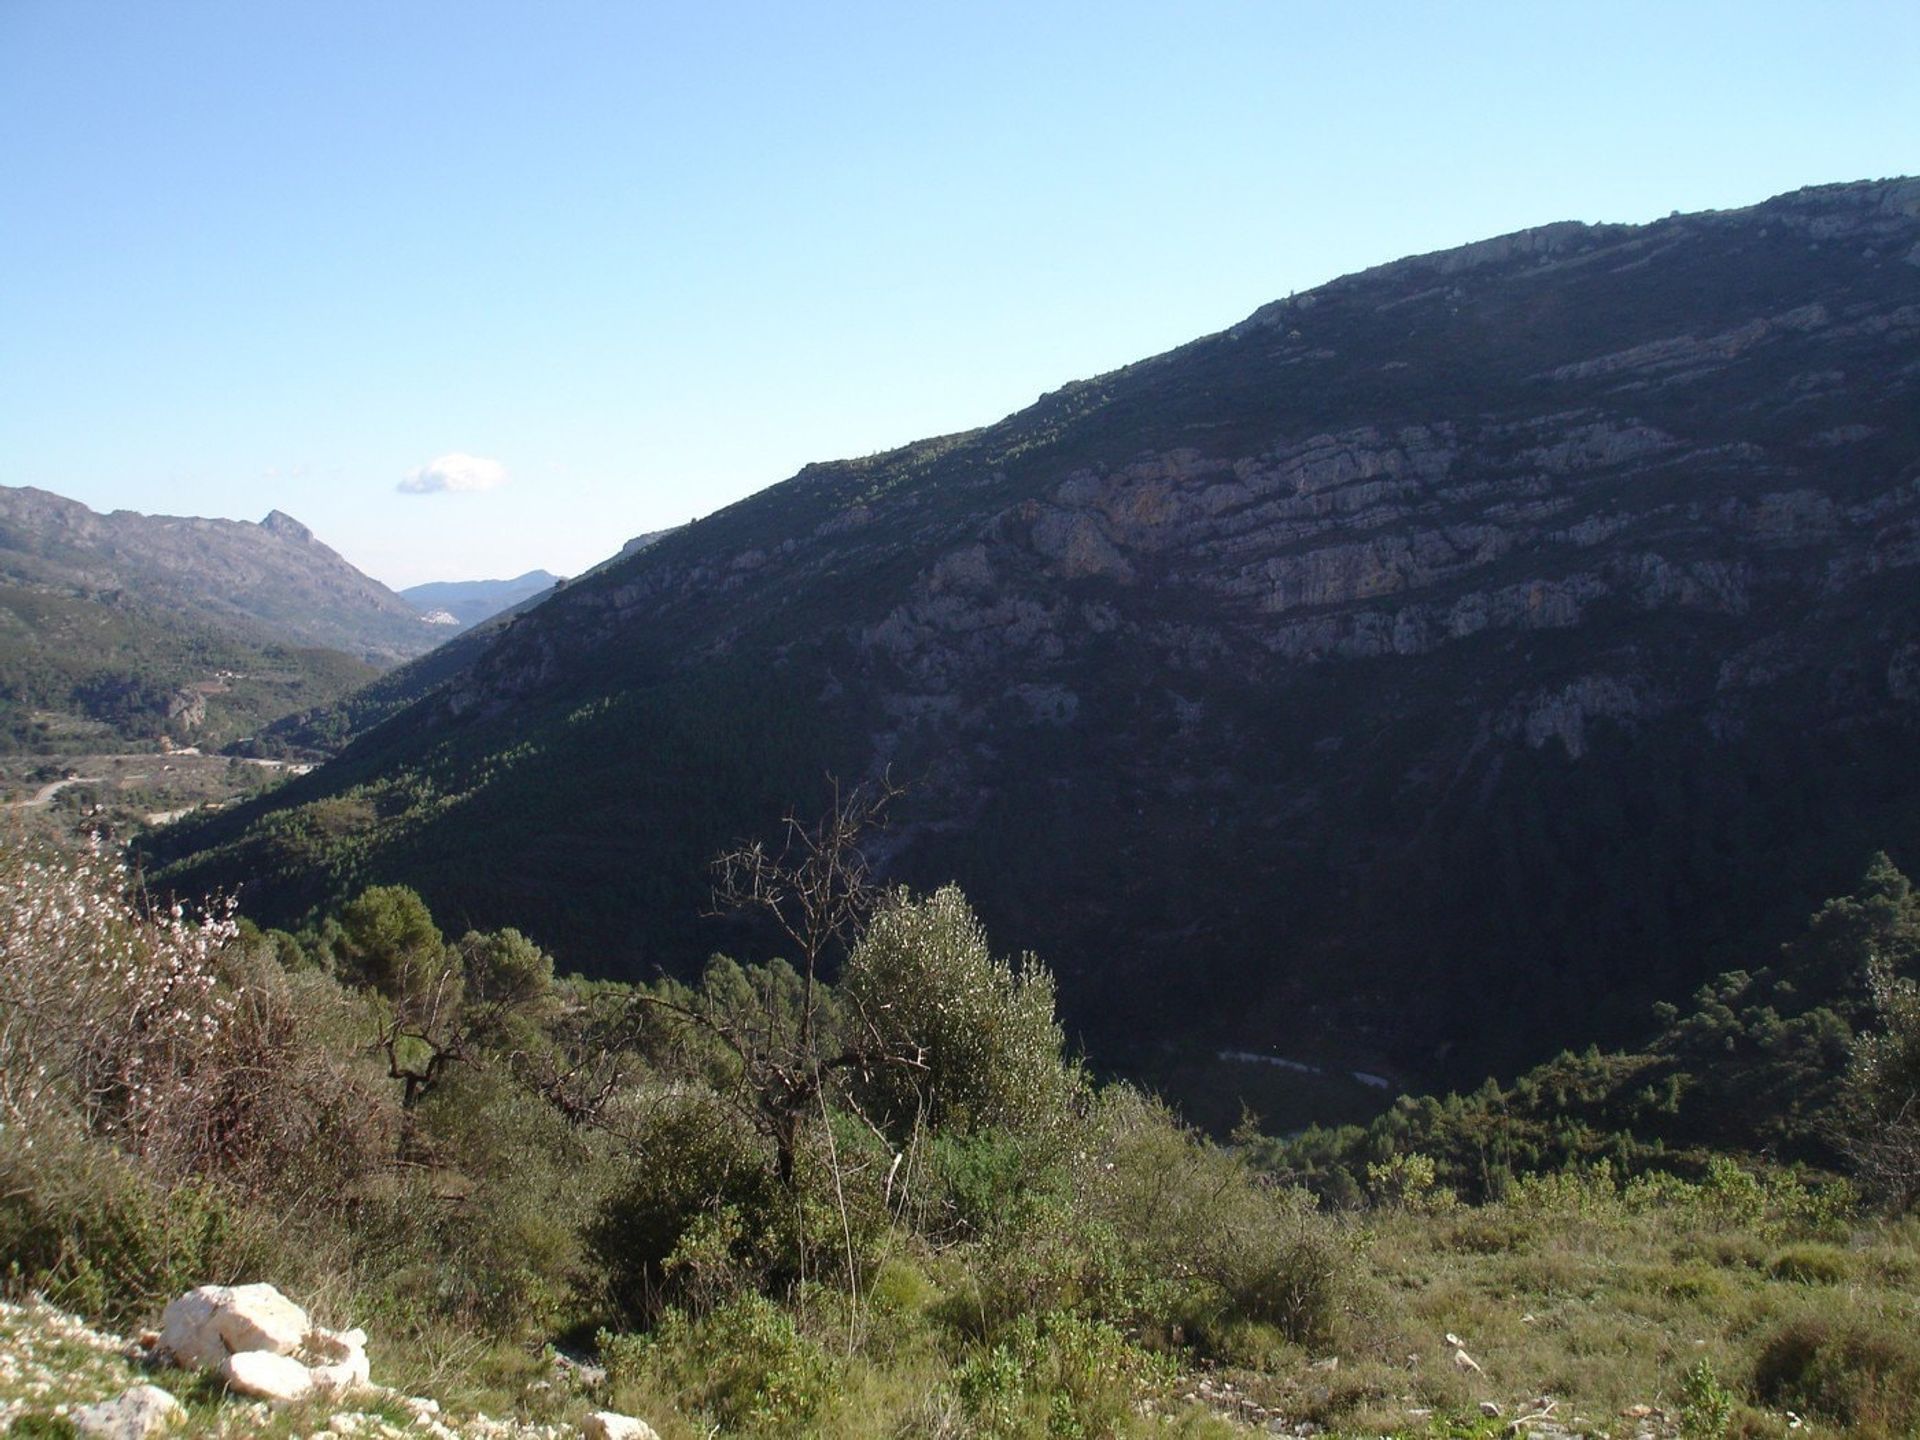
[454, 474]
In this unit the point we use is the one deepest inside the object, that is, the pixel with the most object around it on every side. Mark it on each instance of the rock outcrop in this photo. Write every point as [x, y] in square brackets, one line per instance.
[611, 1425]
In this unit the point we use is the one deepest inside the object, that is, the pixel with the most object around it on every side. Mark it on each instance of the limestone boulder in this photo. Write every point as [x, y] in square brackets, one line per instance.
[205, 1326]
[340, 1360]
[611, 1425]
[266, 1376]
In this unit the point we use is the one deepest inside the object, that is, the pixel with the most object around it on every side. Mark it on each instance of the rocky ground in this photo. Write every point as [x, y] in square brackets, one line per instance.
[61, 1377]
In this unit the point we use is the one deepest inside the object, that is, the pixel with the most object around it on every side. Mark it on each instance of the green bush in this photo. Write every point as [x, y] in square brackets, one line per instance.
[1706, 1404]
[985, 1049]
[1058, 1374]
[694, 1166]
[1052, 1258]
[520, 1187]
[1206, 1240]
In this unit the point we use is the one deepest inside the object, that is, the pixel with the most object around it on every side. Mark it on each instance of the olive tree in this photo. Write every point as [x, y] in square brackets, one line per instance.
[960, 1038]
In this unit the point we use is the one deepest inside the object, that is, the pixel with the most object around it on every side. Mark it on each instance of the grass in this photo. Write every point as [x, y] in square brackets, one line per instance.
[1615, 1304]
[1608, 1306]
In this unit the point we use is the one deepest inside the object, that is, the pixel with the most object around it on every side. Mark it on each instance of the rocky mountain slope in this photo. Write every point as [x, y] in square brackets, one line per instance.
[468, 602]
[1470, 650]
[203, 629]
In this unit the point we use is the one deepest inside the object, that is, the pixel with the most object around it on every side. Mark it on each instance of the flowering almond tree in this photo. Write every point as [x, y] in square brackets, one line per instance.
[108, 1009]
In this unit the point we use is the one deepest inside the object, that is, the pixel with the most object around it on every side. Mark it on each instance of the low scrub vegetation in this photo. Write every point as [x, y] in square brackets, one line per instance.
[895, 1205]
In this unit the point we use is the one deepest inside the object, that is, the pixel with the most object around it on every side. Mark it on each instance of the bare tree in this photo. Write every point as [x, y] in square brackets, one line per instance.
[817, 890]
[818, 887]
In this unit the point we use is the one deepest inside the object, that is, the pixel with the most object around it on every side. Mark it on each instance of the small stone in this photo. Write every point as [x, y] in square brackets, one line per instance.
[1489, 1409]
[341, 1377]
[611, 1425]
[132, 1415]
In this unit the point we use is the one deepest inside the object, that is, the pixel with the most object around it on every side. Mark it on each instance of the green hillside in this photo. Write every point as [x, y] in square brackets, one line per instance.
[80, 673]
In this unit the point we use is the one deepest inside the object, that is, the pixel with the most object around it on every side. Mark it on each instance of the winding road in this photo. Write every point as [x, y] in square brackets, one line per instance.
[45, 793]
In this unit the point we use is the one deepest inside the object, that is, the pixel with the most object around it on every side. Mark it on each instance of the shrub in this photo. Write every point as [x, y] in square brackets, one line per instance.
[1205, 1237]
[983, 1181]
[506, 1242]
[94, 1232]
[113, 1012]
[1706, 1404]
[1051, 1258]
[1858, 1370]
[743, 1365]
[1811, 1264]
[683, 1225]
[1060, 1374]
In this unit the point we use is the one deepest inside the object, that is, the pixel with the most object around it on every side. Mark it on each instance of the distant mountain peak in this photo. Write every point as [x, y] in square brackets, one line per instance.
[286, 527]
[274, 581]
[462, 603]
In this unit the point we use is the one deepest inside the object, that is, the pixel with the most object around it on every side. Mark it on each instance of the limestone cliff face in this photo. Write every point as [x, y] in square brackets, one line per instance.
[1477, 627]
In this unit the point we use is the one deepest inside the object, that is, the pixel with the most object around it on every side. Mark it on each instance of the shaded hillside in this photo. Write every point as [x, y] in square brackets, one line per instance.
[468, 602]
[126, 627]
[1475, 648]
[328, 727]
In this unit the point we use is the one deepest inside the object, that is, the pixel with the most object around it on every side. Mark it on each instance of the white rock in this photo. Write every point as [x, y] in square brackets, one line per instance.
[266, 1376]
[611, 1425]
[205, 1326]
[132, 1415]
[343, 1354]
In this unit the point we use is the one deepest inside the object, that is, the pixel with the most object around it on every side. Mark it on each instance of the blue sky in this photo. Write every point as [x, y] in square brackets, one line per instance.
[636, 261]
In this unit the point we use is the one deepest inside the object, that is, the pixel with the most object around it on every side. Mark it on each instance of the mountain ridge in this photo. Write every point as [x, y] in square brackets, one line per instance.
[468, 602]
[1486, 637]
[205, 629]
[272, 573]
